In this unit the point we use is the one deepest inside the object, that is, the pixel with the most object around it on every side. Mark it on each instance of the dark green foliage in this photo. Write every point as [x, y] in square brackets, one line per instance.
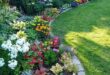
[39, 7]
[67, 1]
[57, 3]
[51, 58]
[30, 7]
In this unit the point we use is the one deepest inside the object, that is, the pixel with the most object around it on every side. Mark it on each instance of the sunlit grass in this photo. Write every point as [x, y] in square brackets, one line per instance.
[93, 49]
[87, 28]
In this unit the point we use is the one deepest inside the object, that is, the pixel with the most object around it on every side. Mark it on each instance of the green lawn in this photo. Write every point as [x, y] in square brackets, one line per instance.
[87, 28]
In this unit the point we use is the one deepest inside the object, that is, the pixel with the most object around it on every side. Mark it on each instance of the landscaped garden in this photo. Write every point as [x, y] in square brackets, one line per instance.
[54, 37]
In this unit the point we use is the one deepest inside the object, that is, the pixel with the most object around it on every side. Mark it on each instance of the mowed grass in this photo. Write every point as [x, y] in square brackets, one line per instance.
[87, 28]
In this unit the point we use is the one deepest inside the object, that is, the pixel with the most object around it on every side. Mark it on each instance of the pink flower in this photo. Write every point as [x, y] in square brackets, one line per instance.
[42, 71]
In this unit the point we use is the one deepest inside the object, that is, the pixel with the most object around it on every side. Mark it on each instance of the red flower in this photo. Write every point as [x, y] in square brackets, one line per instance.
[55, 42]
[40, 54]
[34, 47]
[40, 61]
[33, 61]
[46, 18]
[26, 56]
[41, 45]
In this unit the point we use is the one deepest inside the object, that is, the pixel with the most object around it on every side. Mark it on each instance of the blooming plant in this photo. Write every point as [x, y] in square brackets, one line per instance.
[68, 65]
[55, 12]
[42, 27]
[18, 25]
[15, 47]
[56, 69]
[41, 71]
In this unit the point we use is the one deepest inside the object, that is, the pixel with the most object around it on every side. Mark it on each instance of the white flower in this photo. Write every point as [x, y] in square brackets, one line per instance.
[1, 62]
[27, 44]
[6, 44]
[12, 64]
[20, 41]
[13, 49]
[13, 55]
[13, 37]
[25, 48]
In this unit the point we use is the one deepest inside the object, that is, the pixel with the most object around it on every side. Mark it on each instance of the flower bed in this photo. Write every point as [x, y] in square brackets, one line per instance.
[30, 48]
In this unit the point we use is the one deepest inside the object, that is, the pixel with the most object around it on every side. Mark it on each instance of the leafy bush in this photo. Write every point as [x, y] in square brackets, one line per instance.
[32, 35]
[42, 28]
[57, 3]
[39, 7]
[30, 7]
[51, 58]
[67, 1]
[6, 16]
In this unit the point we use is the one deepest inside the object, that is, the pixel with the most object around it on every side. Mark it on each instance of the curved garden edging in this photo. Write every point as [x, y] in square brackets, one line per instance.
[76, 61]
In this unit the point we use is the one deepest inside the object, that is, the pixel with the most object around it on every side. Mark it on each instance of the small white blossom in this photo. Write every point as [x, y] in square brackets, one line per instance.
[20, 41]
[27, 44]
[13, 49]
[6, 44]
[13, 37]
[25, 48]
[12, 64]
[1, 62]
[13, 55]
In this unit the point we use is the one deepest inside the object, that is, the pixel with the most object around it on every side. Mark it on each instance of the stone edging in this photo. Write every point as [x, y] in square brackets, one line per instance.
[75, 59]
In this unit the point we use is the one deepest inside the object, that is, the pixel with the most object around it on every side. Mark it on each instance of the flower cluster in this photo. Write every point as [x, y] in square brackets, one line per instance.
[21, 34]
[41, 25]
[19, 25]
[57, 69]
[12, 64]
[54, 11]
[43, 28]
[14, 45]
[35, 54]
[68, 64]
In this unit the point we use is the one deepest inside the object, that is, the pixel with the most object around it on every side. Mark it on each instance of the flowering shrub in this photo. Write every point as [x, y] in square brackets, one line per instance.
[15, 47]
[42, 27]
[18, 25]
[57, 69]
[68, 65]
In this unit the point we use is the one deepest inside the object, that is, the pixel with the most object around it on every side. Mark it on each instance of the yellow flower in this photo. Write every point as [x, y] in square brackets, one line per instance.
[57, 69]
[78, 0]
[21, 34]
[19, 25]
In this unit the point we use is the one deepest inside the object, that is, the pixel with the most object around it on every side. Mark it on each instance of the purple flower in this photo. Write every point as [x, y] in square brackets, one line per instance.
[55, 50]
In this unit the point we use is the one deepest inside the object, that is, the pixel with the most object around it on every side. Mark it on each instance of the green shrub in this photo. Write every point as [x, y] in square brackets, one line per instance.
[67, 1]
[30, 7]
[39, 7]
[51, 58]
[57, 3]
[7, 15]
